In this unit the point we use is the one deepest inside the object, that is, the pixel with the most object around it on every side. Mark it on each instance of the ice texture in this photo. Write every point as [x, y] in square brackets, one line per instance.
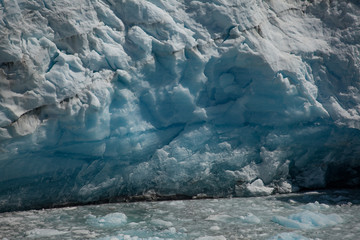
[106, 100]
[190, 219]
[308, 220]
[288, 236]
[109, 220]
[36, 233]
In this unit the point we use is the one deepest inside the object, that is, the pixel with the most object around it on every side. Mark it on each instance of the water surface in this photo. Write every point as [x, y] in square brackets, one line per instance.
[312, 215]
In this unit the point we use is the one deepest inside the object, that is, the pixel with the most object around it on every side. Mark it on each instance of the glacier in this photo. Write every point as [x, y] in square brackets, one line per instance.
[111, 100]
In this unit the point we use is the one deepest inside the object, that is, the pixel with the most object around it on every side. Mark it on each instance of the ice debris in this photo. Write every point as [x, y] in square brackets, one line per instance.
[250, 218]
[308, 220]
[288, 236]
[110, 220]
[43, 232]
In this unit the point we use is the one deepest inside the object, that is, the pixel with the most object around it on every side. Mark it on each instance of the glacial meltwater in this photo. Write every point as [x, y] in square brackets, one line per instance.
[312, 215]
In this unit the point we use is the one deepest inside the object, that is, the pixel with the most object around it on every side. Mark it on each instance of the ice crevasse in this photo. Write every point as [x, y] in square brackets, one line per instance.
[103, 99]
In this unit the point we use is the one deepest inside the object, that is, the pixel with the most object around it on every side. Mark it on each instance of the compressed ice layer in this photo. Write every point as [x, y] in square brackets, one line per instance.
[101, 100]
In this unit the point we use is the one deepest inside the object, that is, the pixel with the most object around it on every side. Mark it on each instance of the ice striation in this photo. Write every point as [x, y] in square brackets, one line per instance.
[103, 100]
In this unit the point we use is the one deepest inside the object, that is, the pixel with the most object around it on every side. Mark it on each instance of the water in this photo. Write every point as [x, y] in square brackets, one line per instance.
[320, 215]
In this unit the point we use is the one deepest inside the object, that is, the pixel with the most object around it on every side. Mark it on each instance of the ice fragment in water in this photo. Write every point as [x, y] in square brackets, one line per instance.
[250, 218]
[308, 220]
[109, 220]
[288, 236]
[37, 233]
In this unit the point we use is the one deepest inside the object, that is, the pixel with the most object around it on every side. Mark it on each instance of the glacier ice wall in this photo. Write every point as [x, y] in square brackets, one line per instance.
[103, 99]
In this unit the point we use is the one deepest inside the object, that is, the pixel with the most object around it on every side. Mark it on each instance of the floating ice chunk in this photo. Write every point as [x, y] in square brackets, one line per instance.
[37, 232]
[250, 218]
[109, 220]
[81, 231]
[215, 228]
[10, 220]
[316, 206]
[146, 233]
[288, 236]
[308, 220]
[221, 237]
[160, 222]
[219, 217]
[128, 237]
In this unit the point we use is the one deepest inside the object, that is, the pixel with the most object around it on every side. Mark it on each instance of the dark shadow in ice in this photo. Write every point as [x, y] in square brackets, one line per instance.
[329, 197]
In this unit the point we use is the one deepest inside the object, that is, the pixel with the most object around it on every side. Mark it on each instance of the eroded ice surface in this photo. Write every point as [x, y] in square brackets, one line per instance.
[101, 99]
[329, 216]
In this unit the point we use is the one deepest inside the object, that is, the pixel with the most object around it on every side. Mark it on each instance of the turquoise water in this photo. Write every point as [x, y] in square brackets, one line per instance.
[311, 215]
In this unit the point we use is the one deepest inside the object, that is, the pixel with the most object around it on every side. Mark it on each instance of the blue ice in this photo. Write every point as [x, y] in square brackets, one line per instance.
[107, 100]
[308, 220]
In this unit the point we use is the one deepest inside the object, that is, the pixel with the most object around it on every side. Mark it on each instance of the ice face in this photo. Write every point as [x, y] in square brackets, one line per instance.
[102, 100]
